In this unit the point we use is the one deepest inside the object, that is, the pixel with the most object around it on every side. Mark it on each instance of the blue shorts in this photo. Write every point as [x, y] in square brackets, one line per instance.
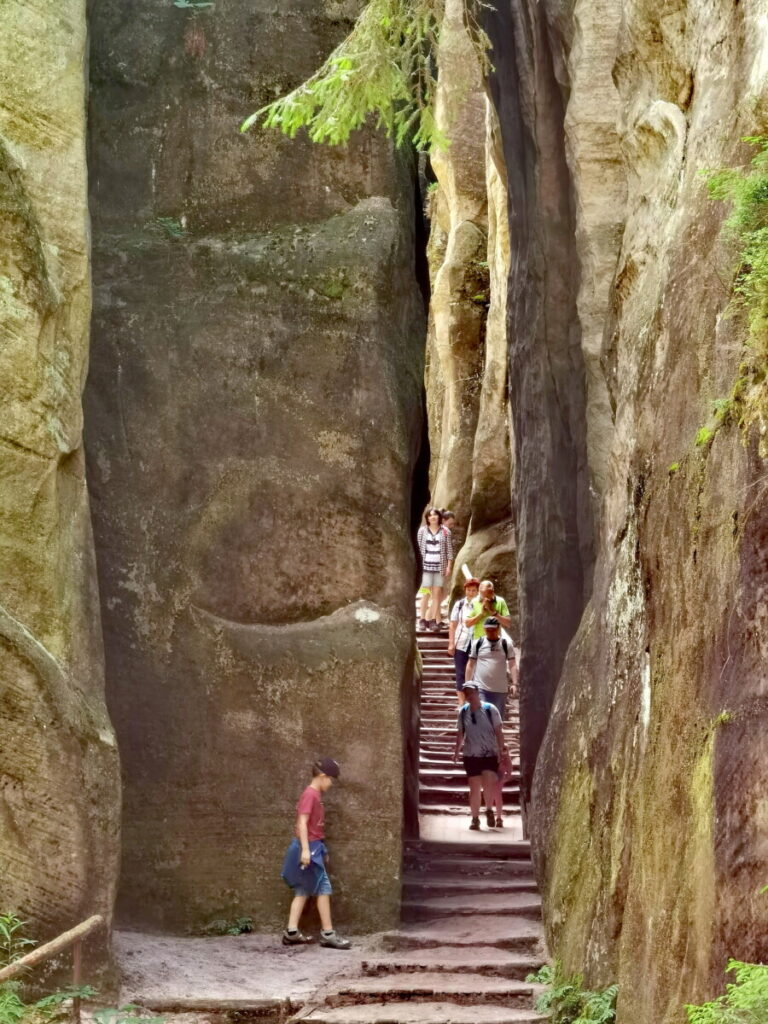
[431, 579]
[312, 880]
[322, 885]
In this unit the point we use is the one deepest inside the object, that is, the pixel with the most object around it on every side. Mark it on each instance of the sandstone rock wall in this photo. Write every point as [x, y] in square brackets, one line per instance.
[647, 820]
[59, 775]
[253, 420]
[466, 377]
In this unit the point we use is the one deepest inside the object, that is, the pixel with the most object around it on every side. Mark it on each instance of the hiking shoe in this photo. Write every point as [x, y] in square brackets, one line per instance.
[295, 939]
[499, 823]
[489, 818]
[334, 941]
[474, 825]
[422, 626]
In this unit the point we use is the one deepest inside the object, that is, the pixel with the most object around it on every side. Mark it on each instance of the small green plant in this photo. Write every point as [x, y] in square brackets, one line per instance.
[566, 1002]
[169, 226]
[13, 943]
[192, 5]
[745, 1000]
[673, 468]
[746, 188]
[238, 926]
[386, 67]
[128, 1014]
[13, 1010]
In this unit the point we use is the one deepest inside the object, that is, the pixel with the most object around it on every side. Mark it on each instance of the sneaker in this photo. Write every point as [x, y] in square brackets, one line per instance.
[499, 823]
[295, 938]
[334, 941]
[430, 625]
[489, 818]
[436, 626]
[422, 626]
[474, 825]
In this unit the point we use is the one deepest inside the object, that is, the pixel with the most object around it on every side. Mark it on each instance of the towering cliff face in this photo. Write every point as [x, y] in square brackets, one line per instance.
[59, 776]
[466, 377]
[648, 816]
[253, 419]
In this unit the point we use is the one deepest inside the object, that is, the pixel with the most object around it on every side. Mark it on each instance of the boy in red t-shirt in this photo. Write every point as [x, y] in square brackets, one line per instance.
[304, 866]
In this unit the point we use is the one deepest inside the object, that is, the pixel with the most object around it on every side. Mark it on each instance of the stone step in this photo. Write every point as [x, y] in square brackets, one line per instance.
[428, 986]
[447, 775]
[432, 908]
[418, 1013]
[435, 794]
[477, 867]
[431, 848]
[483, 960]
[416, 883]
[504, 931]
[459, 809]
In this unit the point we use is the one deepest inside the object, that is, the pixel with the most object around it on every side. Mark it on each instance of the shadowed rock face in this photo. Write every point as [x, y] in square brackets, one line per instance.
[59, 775]
[546, 366]
[648, 827]
[254, 415]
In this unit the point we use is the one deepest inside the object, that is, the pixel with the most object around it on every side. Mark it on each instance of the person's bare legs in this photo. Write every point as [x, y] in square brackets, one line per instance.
[490, 784]
[437, 600]
[294, 914]
[423, 605]
[324, 910]
[475, 785]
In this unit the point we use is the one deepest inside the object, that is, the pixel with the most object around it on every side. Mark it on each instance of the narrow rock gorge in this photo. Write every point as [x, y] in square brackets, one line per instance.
[270, 403]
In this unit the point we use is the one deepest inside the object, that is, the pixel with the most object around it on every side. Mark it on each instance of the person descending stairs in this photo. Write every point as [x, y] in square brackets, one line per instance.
[471, 929]
[443, 784]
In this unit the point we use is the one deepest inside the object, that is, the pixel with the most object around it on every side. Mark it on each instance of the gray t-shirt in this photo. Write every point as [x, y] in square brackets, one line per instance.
[491, 663]
[480, 734]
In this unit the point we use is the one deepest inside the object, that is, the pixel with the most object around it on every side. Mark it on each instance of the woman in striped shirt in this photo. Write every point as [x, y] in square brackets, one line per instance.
[436, 550]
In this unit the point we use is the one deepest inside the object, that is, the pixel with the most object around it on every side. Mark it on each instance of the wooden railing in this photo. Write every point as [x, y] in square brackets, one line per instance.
[74, 938]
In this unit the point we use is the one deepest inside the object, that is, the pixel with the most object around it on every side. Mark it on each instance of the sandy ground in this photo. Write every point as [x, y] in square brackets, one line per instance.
[159, 969]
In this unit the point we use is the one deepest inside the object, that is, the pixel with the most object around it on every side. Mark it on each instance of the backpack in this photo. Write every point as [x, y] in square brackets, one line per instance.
[486, 708]
[476, 650]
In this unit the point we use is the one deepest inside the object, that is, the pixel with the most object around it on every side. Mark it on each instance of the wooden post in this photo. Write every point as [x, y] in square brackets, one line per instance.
[77, 976]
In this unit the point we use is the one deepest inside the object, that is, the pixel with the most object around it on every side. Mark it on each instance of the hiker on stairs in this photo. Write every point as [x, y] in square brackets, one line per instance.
[479, 736]
[436, 550]
[493, 666]
[460, 636]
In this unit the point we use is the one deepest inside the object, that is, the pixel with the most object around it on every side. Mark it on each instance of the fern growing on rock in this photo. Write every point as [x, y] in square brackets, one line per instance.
[386, 67]
[745, 1000]
[747, 225]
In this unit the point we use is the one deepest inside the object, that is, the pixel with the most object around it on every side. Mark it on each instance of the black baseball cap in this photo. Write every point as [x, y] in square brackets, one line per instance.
[329, 767]
[491, 621]
[470, 686]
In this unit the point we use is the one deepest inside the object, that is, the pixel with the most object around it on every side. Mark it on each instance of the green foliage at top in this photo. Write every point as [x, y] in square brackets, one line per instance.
[747, 226]
[566, 1002]
[745, 1000]
[386, 67]
[13, 943]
